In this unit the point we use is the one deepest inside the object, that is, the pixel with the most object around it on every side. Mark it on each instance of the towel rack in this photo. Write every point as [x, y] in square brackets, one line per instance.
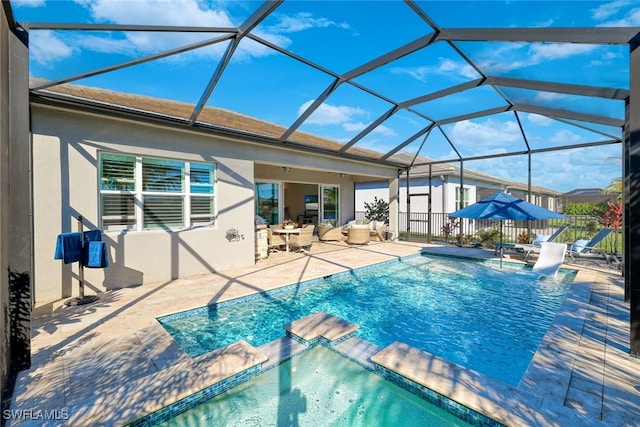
[81, 299]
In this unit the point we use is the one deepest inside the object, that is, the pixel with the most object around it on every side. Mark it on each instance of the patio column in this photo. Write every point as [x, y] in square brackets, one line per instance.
[394, 207]
[16, 246]
[632, 197]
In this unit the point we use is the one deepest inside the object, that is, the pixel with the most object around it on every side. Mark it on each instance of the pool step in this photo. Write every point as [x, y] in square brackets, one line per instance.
[279, 350]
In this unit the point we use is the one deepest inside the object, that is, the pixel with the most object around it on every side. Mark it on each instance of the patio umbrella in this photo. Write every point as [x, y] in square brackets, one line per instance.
[503, 206]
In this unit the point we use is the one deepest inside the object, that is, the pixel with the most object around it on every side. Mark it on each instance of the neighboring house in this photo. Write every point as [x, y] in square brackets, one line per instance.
[445, 194]
[171, 201]
[585, 195]
[445, 189]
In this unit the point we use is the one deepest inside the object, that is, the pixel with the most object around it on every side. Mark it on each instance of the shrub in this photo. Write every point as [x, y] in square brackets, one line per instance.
[377, 211]
[523, 237]
[488, 237]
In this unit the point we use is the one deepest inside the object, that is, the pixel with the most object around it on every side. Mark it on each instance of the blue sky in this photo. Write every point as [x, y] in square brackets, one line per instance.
[339, 36]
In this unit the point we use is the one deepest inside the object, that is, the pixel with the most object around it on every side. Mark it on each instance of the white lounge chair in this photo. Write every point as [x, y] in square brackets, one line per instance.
[550, 259]
[587, 248]
[536, 245]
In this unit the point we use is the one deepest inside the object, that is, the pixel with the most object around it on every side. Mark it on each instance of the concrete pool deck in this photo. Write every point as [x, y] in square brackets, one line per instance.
[109, 362]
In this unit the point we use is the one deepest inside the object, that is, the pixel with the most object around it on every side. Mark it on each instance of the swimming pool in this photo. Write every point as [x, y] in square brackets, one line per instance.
[318, 387]
[466, 311]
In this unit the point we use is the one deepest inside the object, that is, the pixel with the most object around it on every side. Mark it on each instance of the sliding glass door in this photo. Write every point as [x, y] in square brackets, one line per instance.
[330, 204]
[267, 201]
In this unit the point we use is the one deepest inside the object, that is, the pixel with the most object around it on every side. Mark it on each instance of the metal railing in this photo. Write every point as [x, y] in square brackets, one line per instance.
[580, 227]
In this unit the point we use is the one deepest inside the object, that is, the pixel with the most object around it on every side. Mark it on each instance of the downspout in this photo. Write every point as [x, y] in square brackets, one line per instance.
[444, 193]
[529, 193]
[408, 209]
[429, 213]
[461, 202]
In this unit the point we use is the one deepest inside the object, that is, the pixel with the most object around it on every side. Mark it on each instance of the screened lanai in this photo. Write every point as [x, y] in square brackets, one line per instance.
[538, 94]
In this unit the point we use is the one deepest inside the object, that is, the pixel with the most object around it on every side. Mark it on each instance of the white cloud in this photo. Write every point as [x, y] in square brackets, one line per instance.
[539, 120]
[328, 114]
[489, 134]
[28, 3]
[604, 11]
[632, 19]
[45, 47]
[304, 21]
[354, 126]
[181, 13]
[558, 170]
[384, 131]
[157, 12]
[565, 137]
[445, 67]
[541, 52]
[549, 96]
[513, 56]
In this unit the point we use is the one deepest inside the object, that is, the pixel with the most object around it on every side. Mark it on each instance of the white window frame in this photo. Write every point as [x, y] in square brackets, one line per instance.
[138, 193]
[465, 192]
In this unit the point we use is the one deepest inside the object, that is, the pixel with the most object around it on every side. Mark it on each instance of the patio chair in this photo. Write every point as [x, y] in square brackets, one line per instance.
[550, 259]
[329, 232]
[302, 240]
[587, 248]
[275, 242]
[358, 235]
[537, 243]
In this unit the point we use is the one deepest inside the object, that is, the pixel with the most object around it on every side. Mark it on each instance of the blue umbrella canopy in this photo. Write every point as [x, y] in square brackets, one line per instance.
[505, 206]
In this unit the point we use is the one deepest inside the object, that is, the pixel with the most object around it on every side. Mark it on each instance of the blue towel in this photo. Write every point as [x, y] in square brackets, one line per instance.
[94, 255]
[93, 236]
[68, 247]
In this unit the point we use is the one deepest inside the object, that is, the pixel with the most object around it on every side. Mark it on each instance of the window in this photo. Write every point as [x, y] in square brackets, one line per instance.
[465, 201]
[138, 193]
[330, 204]
[266, 197]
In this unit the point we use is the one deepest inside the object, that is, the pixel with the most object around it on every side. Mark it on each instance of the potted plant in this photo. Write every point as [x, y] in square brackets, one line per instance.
[377, 211]
[288, 224]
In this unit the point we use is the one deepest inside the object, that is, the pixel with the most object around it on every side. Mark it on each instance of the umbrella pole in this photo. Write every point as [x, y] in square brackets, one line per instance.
[501, 248]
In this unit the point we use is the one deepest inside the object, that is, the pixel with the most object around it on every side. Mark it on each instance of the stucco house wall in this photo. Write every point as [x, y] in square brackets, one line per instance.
[66, 145]
[443, 194]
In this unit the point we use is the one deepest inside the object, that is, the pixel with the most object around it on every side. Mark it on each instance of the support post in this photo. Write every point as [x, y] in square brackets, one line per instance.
[408, 208]
[429, 213]
[80, 265]
[632, 201]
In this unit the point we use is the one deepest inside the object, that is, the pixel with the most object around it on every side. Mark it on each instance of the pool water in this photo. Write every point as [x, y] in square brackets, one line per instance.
[317, 388]
[472, 313]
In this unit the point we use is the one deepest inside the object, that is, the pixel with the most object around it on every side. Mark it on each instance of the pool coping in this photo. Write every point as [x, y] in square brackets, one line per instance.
[397, 361]
[336, 334]
[581, 374]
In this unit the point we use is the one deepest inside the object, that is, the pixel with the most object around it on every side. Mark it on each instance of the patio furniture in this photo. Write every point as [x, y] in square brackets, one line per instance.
[537, 242]
[329, 232]
[303, 239]
[550, 259]
[275, 242]
[377, 229]
[358, 235]
[587, 248]
[379, 234]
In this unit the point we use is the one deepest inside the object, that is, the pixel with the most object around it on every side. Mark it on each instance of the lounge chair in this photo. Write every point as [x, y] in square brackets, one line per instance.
[537, 243]
[587, 248]
[550, 259]
[302, 240]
